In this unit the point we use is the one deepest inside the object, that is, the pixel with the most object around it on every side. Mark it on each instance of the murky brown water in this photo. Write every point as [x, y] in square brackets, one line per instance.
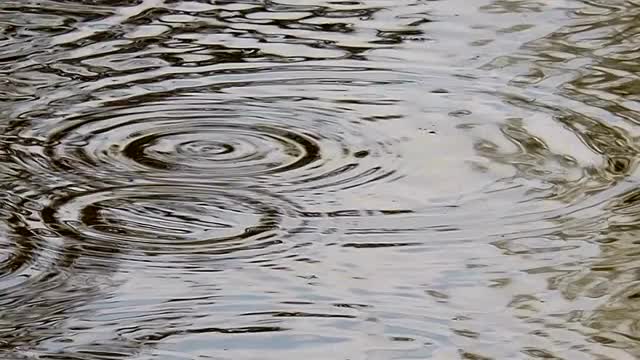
[374, 179]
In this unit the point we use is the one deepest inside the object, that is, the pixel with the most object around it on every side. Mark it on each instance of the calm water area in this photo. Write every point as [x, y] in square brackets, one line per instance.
[319, 179]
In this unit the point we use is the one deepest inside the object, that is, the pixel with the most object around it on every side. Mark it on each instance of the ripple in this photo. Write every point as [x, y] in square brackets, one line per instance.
[200, 149]
[30, 260]
[296, 144]
[382, 179]
[167, 225]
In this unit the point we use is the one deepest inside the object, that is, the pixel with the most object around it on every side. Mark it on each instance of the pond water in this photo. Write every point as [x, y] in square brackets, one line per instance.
[315, 179]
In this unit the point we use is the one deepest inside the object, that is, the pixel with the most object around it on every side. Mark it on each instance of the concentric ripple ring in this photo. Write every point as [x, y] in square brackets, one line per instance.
[175, 223]
[187, 141]
[197, 149]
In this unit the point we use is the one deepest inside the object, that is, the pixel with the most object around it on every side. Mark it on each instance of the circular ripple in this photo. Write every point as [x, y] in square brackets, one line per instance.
[191, 141]
[170, 225]
[28, 261]
[194, 148]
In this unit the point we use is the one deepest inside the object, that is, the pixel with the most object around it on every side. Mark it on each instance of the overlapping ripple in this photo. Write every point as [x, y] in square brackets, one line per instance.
[384, 179]
[167, 225]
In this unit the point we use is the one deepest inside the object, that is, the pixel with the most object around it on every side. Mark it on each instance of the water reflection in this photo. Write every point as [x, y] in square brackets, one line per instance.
[366, 179]
[586, 63]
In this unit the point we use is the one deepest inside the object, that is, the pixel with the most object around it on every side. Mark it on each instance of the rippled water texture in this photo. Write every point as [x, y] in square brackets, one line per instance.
[373, 179]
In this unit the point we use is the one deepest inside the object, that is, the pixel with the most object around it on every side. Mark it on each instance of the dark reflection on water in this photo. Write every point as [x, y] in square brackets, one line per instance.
[323, 179]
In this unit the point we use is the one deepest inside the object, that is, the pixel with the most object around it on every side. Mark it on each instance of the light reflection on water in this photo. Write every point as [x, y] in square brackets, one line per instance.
[321, 179]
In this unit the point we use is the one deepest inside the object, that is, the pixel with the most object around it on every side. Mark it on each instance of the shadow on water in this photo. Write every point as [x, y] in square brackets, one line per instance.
[360, 179]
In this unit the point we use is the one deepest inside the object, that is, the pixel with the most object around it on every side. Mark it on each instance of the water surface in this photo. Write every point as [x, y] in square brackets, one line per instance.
[371, 179]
